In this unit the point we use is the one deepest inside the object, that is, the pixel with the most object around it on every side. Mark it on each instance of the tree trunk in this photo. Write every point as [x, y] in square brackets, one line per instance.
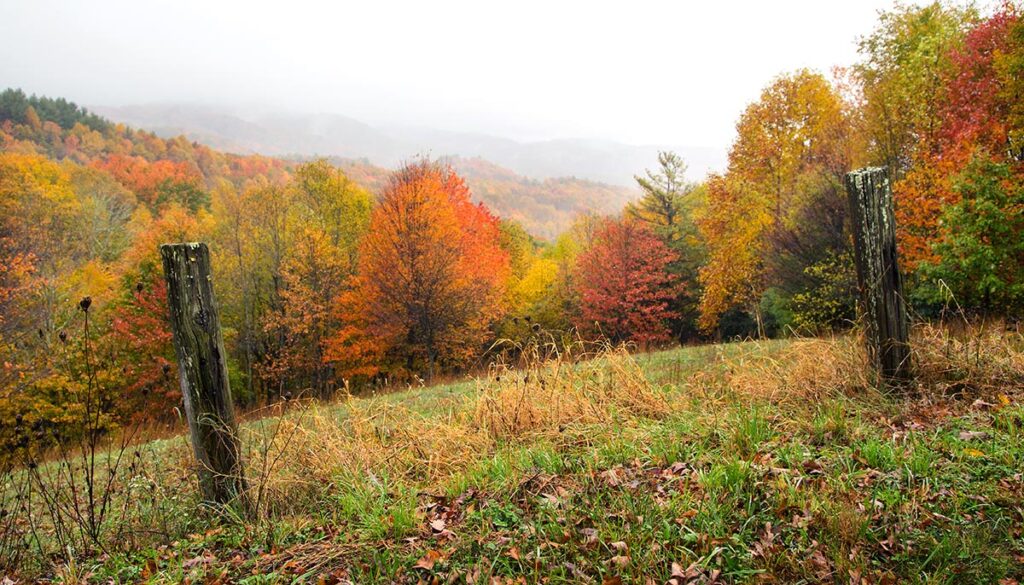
[878, 275]
[203, 371]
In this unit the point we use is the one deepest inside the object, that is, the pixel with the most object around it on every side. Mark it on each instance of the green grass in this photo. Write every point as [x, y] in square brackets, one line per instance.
[736, 486]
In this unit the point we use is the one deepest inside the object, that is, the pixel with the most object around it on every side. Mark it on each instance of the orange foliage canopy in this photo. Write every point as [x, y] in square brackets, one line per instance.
[921, 196]
[429, 281]
[144, 178]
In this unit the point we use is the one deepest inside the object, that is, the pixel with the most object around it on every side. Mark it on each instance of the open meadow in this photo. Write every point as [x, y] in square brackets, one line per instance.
[773, 461]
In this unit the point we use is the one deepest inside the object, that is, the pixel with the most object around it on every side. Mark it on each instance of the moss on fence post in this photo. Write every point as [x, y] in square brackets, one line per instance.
[878, 275]
[203, 371]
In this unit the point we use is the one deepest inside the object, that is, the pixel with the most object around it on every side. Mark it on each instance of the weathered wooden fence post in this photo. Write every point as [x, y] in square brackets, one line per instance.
[878, 275]
[203, 371]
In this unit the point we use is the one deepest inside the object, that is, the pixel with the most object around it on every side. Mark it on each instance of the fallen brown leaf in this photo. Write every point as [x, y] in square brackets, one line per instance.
[618, 561]
[428, 560]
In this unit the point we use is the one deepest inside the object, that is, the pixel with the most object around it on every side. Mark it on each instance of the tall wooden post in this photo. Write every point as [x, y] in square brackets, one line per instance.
[203, 371]
[878, 275]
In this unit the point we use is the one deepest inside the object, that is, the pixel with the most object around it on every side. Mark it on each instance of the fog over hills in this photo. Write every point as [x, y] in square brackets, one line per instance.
[545, 207]
[283, 134]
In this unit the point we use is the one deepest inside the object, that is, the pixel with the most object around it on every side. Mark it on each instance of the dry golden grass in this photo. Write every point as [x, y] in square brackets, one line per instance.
[563, 396]
[558, 395]
[310, 448]
[541, 397]
[310, 445]
[802, 371]
[974, 359]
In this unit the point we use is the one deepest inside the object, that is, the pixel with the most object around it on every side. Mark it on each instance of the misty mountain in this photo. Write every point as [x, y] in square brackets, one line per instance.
[278, 134]
[255, 132]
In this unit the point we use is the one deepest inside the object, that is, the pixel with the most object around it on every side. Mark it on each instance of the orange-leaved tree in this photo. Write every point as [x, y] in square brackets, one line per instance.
[429, 280]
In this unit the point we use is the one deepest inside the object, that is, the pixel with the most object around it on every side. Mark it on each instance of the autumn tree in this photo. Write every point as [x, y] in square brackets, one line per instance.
[107, 208]
[905, 61]
[556, 303]
[234, 247]
[520, 295]
[141, 339]
[980, 256]
[543, 293]
[780, 208]
[40, 214]
[252, 240]
[430, 278]
[626, 287]
[332, 202]
[733, 228]
[536, 299]
[519, 245]
[313, 275]
[920, 198]
[668, 205]
[332, 215]
[974, 106]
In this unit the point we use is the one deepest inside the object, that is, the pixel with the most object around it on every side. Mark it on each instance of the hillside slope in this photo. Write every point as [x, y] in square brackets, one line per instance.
[544, 207]
[771, 461]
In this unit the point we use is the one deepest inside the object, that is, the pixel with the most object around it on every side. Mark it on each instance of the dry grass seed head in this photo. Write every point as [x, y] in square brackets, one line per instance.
[979, 359]
[800, 372]
[545, 397]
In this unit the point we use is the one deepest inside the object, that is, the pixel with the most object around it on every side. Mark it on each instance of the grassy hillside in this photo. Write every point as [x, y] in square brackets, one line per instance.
[759, 461]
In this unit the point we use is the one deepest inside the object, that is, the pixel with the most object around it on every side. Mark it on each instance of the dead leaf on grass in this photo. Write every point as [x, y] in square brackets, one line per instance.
[428, 560]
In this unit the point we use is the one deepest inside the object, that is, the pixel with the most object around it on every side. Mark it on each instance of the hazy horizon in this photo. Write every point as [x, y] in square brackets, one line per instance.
[647, 74]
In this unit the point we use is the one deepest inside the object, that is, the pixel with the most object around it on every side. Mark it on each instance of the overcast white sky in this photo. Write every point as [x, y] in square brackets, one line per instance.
[635, 71]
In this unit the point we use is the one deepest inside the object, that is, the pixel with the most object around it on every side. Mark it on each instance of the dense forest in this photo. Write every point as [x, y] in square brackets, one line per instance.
[334, 277]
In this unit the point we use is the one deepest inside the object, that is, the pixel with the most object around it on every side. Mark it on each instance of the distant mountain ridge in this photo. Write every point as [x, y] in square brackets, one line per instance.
[332, 135]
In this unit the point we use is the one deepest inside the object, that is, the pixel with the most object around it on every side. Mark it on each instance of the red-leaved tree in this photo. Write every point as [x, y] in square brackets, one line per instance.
[625, 286]
[141, 338]
[975, 108]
